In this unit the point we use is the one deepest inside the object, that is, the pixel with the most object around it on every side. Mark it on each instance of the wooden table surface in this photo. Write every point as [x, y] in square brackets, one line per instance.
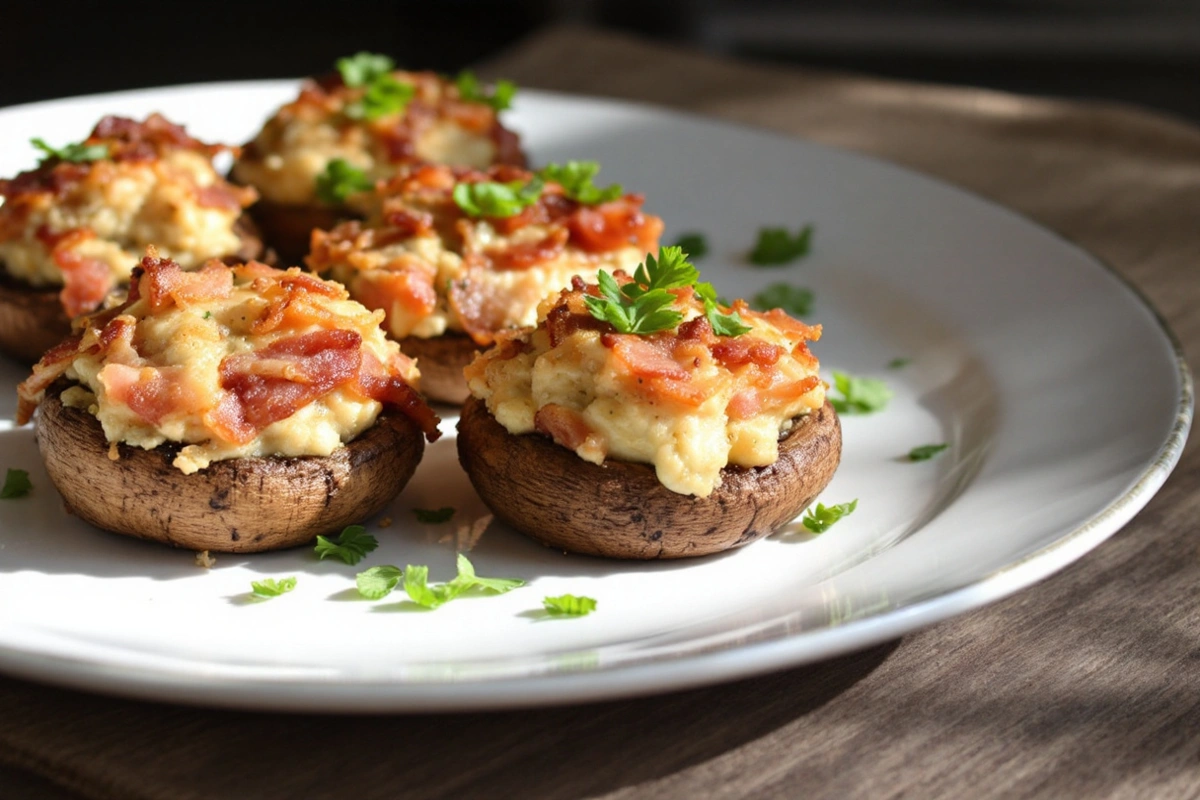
[1085, 685]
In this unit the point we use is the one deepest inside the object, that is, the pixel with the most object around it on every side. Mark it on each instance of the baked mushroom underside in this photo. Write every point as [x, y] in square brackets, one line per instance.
[620, 509]
[241, 505]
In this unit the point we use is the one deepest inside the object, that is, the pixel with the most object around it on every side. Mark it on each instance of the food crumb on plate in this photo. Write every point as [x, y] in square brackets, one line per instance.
[203, 559]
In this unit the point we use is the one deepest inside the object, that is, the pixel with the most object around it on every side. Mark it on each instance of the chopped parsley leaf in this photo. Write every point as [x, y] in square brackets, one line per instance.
[490, 199]
[433, 516]
[499, 98]
[925, 452]
[694, 245]
[364, 68]
[378, 582]
[776, 246]
[859, 395]
[351, 546]
[340, 180]
[569, 605]
[16, 484]
[269, 587]
[385, 95]
[576, 178]
[820, 518]
[644, 305]
[76, 152]
[795, 300]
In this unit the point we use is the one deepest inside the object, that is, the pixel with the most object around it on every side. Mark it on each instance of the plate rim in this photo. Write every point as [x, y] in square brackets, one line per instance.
[645, 674]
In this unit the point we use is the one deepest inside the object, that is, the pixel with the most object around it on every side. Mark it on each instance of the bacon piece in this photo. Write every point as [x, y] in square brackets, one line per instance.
[744, 404]
[528, 254]
[412, 289]
[320, 361]
[614, 225]
[736, 352]
[405, 224]
[54, 363]
[150, 392]
[394, 391]
[223, 195]
[477, 118]
[166, 283]
[481, 316]
[508, 146]
[564, 425]
[130, 140]
[644, 357]
[86, 281]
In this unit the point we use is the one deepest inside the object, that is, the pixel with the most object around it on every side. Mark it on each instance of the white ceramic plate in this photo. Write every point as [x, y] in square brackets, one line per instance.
[1063, 398]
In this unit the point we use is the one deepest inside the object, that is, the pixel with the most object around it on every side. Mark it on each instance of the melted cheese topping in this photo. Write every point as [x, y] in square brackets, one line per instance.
[432, 269]
[298, 142]
[686, 402]
[85, 225]
[125, 207]
[231, 364]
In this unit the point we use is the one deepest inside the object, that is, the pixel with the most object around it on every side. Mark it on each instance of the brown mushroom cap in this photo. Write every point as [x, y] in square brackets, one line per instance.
[441, 360]
[242, 505]
[620, 510]
[32, 319]
[288, 228]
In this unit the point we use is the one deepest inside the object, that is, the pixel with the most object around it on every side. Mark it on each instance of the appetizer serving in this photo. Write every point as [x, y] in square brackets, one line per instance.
[454, 255]
[73, 228]
[227, 409]
[360, 125]
[641, 418]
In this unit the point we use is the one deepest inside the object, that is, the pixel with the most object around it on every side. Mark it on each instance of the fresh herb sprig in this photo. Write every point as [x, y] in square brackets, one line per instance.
[821, 517]
[775, 246]
[269, 587]
[644, 304]
[795, 300]
[926, 452]
[351, 546]
[378, 582]
[363, 68]
[695, 245]
[859, 395]
[76, 152]
[578, 181]
[491, 199]
[500, 96]
[569, 605]
[340, 180]
[384, 93]
[16, 484]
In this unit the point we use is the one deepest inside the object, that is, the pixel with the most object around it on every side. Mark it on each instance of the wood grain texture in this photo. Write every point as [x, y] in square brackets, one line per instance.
[1086, 685]
[241, 505]
[619, 509]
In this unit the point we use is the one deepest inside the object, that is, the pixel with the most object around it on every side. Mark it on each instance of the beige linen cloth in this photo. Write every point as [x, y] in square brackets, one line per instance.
[1085, 685]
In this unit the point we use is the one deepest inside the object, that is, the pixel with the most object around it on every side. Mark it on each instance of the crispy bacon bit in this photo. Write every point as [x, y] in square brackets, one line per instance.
[477, 309]
[529, 254]
[86, 282]
[564, 425]
[508, 146]
[645, 356]
[316, 363]
[164, 283]
[745, 404]
[130, 140]
[735, 352]
[408, 223]
[411, 288]
[393, 391]
[226, 196]
[53, 364]
[614, 225]
[150, 392]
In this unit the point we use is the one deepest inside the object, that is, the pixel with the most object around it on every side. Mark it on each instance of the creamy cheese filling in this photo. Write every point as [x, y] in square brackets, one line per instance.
[512, 295]
[293, 149]
[688, 445]
[127, 206]
[188, 344]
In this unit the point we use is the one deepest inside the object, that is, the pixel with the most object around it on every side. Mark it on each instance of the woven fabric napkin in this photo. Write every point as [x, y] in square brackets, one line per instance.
[1087, 684]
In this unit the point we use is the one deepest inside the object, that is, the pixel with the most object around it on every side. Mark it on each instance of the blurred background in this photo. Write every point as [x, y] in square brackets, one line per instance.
[1139, 51]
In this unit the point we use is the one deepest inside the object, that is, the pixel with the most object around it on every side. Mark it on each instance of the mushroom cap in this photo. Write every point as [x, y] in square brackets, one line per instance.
[441, 360]
[619, 509]
[241, 505]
